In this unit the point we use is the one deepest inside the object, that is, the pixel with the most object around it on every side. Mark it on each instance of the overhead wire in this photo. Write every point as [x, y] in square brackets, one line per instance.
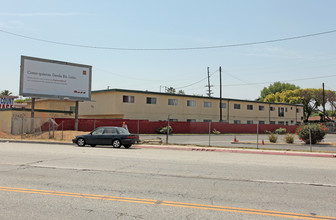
[168, 49]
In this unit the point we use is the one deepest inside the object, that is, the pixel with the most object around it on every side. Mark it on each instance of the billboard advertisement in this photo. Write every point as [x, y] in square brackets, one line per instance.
[55, 79]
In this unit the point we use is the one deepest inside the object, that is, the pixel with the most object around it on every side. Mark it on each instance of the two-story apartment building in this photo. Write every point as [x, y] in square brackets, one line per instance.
[156, 106]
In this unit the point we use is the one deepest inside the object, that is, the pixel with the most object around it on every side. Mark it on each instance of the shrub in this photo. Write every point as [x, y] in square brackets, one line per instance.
[289, 138]
[273, 138]
[215, 131]
[280, 131]
[318, 131]
[163, 130]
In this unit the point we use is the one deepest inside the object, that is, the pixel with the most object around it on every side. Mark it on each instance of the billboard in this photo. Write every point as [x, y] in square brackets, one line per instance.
[55, 79]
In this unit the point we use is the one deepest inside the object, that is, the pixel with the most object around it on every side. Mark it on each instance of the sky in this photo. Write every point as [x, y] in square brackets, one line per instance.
[119, 39]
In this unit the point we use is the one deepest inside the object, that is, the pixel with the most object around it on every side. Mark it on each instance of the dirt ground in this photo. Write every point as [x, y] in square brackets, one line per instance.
[67, 136]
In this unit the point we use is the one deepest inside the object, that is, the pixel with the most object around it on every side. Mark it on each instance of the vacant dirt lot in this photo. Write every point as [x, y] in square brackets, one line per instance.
[57, 136]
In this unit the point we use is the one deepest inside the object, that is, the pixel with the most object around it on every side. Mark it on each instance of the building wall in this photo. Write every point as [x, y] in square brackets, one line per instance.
[51, 104]
[111, 104]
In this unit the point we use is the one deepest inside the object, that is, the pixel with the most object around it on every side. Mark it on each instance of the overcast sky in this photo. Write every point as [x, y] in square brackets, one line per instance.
[99, 28]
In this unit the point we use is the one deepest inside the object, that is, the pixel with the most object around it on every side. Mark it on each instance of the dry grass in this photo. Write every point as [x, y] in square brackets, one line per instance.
[67, 136]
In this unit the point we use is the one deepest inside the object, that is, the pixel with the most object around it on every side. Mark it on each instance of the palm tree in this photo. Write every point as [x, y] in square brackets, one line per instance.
[6, 93]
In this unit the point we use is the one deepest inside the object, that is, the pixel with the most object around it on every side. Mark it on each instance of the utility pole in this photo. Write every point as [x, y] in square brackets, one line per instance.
[323, 95]
[220, 95]
[209, 86]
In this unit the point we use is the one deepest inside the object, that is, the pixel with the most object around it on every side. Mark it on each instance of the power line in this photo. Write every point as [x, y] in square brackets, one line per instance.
[169, 49]
[196, 82]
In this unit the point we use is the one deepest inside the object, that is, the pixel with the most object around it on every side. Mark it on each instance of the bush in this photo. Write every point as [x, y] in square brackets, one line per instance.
[289, 138]
[215, 131]
[273, 138]
[163, 130]
[280, 131]
[318, 131]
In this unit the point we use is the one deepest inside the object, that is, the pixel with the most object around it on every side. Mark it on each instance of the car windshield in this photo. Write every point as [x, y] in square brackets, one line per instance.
[122, 131]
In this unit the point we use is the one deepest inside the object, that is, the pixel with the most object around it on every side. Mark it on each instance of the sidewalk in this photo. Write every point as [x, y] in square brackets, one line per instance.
[241, 148]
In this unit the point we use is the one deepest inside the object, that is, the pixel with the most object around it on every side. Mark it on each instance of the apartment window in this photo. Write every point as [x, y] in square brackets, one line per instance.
[128, 99]
[261, 108]
[292, 122]
[236, 122]
[249, 121]
[298, 110]
[286, 109]
[272, 109]
[249, 107]
[172, 101]
[191, 103]
[281, 123]
[261, 122]
[291, 108]
[272, 122]
[223, 105]
[281, 112]
[191, 120]
[207, 104]
[151, 100]
[173, 119]
[286, 122]
[207, 120]
[236, 106]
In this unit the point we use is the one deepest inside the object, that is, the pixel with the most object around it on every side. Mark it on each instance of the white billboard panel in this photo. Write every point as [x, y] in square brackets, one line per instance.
[55, 79]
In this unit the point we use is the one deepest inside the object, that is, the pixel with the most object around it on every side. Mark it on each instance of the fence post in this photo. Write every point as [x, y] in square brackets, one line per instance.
[311, 148]
[258, 135]
[22, 128]
[209, 131]
[138, 127]
[94, 124]
[49, 127]
[62, 130]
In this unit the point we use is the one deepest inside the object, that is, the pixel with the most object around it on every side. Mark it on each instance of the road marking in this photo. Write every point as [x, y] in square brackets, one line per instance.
[169, 203]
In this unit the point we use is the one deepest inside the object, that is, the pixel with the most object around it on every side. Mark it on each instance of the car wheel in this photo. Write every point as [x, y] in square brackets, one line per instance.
[92, 145]
[116, 143]
[80, 142]
[127, 145]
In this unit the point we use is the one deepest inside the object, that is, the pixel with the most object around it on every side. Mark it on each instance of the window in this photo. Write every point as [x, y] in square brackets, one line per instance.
[172, 101]
[281, 112]
[207, 120]
[236, 122]
[236, 106]
[98, 131]
[291, 108]
[249, 107]
[249, 121]
[272, 122]
[286, 109]
[191, 103]
[281, 123]
[298, 110]
[151, 100]
[286, 122]
[191, 120]
[73, 109]
[261, 108]
[110, 131]
[128, 99]
[272, 109]
[207, 104]
[261, 122]
[173, 119]
[223, 105]
[292, 122]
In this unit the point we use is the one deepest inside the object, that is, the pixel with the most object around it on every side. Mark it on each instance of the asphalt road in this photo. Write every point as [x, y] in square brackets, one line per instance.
[39, 181]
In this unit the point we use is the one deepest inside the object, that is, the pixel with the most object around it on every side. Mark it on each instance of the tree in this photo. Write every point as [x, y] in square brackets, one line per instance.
[311, 99]
[6, 93]
[171, 90]
[276, 87]
[181, 92]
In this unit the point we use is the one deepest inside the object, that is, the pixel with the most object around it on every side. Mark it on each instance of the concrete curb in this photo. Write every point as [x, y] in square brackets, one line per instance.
[194, 148]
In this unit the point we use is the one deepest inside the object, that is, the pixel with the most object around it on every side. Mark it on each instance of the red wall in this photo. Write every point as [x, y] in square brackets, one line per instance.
[150, 127]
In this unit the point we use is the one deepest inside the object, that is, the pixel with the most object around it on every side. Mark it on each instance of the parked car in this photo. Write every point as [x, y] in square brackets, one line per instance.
[115, 136]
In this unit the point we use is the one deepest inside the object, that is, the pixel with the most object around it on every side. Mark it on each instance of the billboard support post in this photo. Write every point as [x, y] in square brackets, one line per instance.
[76, 116]
[32, 114]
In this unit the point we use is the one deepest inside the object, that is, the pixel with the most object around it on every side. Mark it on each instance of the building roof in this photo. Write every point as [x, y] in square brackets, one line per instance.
[191, 96]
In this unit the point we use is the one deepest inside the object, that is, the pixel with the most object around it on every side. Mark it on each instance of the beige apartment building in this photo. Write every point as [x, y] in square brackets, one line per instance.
[156, 106]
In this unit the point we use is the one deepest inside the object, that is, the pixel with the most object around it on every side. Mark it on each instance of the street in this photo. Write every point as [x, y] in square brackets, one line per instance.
[39, 181]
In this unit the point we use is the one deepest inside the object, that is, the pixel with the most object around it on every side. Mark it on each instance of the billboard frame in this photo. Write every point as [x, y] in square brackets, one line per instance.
[37, 95]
